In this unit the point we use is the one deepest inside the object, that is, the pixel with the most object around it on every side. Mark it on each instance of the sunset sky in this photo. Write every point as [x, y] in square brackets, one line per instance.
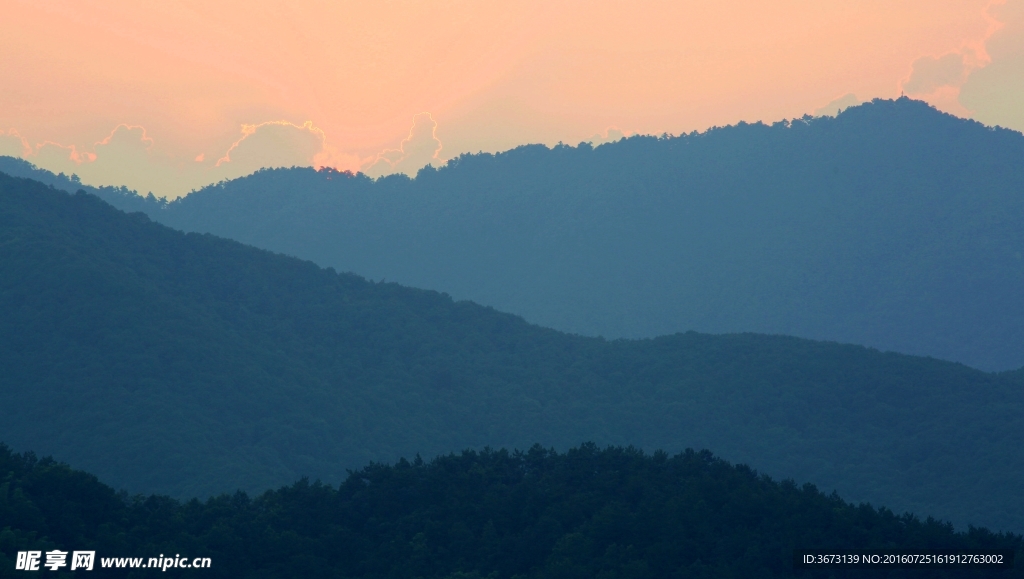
[169, 96]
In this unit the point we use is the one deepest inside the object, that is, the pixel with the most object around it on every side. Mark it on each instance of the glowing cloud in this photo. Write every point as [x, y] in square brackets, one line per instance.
[939, 79]
[995, 92]
[281, 144]
[276, 144]
[126, 156]
[610, 135]
[12, 144]
[59, 158]
[838, 104]
[931, 73]
[493, 74]
[129, 156]
[420, 148]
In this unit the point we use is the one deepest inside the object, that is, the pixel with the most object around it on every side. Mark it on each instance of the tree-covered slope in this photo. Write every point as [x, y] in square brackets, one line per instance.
[190, 365]
[892, 225]
[612, 513]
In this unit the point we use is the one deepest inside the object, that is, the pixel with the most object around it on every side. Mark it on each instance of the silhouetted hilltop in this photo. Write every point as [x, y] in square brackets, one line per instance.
[188, 364]
[497, 514]
[892, 225]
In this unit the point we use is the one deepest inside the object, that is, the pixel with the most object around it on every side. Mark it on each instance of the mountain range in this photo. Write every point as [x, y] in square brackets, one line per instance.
[188, 364]
[891, 225]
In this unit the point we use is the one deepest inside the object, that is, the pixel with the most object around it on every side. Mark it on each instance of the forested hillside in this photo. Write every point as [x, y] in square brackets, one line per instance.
[191, 365]
[612, 513]
[892, 225]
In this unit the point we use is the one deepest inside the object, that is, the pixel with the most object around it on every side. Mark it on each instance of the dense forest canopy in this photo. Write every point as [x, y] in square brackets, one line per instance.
[609, 513]
[192, 365]
[891, 225]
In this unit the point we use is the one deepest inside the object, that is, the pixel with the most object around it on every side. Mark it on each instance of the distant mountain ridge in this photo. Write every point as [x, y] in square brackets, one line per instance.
[891, 225]
[192, 365]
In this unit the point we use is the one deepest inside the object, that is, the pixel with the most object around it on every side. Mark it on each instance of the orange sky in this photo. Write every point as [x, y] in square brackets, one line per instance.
[166, 96]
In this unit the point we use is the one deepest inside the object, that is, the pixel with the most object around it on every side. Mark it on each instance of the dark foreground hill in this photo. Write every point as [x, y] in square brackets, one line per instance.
[188, 364]
[892, 225]
[612, 513]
